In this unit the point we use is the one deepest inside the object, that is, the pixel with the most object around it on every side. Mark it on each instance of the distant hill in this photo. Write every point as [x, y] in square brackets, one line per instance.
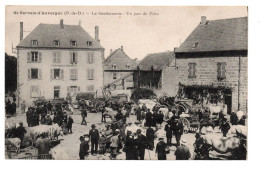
[10, 73]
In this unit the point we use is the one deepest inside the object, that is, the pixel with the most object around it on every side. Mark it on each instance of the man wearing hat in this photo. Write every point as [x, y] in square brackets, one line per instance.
[84, 115]
[178, 131]
[94, 137]
[84, 147]
[161, 149]
[20, 130]
[182, 152]
[48, 120]
[141, 144]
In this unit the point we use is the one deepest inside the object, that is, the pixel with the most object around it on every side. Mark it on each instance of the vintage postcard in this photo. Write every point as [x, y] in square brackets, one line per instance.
[126, 83]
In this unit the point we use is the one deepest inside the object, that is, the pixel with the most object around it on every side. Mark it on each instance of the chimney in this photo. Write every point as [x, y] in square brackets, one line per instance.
[122, 47]
[97, 34]
[175, 49]
[203, 20]
[111, 50]
[61, 24]
[21, 31]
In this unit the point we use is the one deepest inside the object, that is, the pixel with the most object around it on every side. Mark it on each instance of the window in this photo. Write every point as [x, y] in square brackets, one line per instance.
[73, 57]
[35, 57]
[114, 75]
[90, 57]
[113, 66]
[73, 43]
[56, 43]
[73, 90]
[56, 92]
[35, 91]
[90, 74]
[127, 66]
[34, 42]
[89, 43]
[56, 57]
[73, 74]
[34, 73]
[57, 74]
[192, 70]
[221, 71]
[90, 88]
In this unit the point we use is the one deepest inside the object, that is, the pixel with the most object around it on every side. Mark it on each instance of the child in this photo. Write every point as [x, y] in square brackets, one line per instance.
[102, 144]
[69, 125]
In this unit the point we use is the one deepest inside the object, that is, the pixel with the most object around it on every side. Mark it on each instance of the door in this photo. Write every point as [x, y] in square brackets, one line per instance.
[56, 92]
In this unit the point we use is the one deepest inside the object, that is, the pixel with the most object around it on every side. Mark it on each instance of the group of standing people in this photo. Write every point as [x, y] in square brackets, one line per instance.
[10, 107]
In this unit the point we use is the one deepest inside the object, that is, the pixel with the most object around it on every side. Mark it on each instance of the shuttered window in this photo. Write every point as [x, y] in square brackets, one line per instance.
[57, 74]
[90, 57]
[34, 73]
[56, 57]
[114, 75]
[221, 70]
[34, 57]
[35, 91]
[90, 74]
[192, 70]
[73, 57]
[73, 74]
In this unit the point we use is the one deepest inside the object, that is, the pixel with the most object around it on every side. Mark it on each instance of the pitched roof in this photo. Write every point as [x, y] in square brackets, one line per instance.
[45, 34]
[120, 59]
[156, 60]
[217, 35]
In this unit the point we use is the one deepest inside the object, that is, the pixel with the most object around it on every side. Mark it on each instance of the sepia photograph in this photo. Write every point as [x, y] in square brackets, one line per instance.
[126, 82]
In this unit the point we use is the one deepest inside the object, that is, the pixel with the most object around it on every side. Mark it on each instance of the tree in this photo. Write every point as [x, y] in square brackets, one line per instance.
[10, 73]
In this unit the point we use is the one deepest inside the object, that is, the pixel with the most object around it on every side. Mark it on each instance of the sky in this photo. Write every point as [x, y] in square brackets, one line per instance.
[162, 29]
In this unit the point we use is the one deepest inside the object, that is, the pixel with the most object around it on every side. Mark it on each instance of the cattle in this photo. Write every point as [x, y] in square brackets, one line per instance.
[14, 142]
[240, 114]
[239, 130]
[221, 144]
[52, 131]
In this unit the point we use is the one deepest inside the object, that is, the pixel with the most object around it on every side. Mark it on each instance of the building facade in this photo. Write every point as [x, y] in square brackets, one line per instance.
[118, 70]
[149, 71]
[212, 63]
[57, 61]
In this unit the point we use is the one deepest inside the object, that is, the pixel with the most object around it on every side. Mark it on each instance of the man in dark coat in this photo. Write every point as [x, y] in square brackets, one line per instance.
[161, 149]
[141, 144]
[69, 125]
[168, 129]
[29, 117]
[84, 147]
[43, 145]
[150, 138]
[220, 117]
[48, 120]
[130, 149]
[49, 107]
[138, 114]
[224, 127]
[94, 137]
[149, 118]
[103, 117]
[13, 108]
[178, 131]
[233, 118]
[20, 130]
[84, 115]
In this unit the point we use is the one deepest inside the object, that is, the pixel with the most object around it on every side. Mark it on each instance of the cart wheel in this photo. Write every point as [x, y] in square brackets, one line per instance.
[186, 125]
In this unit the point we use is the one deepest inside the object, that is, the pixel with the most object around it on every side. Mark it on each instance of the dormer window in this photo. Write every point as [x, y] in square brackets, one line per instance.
[127, 66]
[195, 45]
[73, 43]
[56, 43]
[89, 43]
[34, 42]
[113, 66]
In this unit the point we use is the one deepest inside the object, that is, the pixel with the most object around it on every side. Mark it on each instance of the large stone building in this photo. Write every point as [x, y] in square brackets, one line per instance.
[118, 70]
[212, 63]
[57, 60]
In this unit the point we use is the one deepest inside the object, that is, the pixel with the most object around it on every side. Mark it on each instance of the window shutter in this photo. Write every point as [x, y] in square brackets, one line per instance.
[40, 57]
[62, 74]
[71, 57]
[78, 88]
[76, 57]
[76, 73]
[51, 76]
[219, 71]
[194, 69]
[28, 57]
[53, 57]
[29, 74]
[59, 57]
[92, 56]
[92, 74]
[88, 73]
[224, 70]
[39, 74]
